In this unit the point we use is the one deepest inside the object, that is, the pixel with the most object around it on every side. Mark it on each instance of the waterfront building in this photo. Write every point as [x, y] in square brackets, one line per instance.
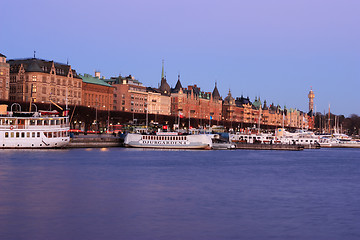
[191, 102]
[96, 93]
[43, 81]
[4, 78]
[129, 94]
[158, 103]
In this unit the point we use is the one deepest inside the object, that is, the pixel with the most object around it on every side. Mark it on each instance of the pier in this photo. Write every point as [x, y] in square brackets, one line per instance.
[254, 146]
[95, 141]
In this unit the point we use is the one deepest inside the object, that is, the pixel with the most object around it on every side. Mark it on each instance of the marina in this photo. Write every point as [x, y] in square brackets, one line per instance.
[143, 193]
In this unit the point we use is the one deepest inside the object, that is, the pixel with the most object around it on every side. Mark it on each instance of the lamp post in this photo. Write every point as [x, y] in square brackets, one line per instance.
[96, 122]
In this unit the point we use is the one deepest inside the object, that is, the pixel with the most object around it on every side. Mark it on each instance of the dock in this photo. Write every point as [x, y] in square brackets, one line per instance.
[95, 141]
[255, 146]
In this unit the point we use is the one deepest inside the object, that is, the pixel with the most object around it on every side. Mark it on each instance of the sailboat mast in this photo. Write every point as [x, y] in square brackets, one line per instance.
[329, 120]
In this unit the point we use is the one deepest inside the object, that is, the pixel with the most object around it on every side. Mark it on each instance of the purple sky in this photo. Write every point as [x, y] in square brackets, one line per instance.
[275, 49]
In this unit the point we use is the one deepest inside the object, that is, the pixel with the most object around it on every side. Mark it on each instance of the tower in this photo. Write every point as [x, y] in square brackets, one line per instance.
[311, 97]
[4, 78]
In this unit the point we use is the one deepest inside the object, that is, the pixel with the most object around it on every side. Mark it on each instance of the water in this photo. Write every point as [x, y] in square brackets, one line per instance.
[146, 194]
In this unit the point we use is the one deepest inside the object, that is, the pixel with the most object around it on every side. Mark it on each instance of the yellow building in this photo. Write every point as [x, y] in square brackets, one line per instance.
[158, 103]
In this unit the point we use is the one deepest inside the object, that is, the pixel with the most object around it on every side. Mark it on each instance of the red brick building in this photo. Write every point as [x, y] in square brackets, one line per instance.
[191, 102]
[96, 93]
[129, 94]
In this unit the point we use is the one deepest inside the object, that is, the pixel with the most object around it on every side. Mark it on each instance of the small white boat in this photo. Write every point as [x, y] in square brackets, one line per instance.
[248, 137]
[43, 129]
[169, 140]
[337, 140]
[302, 137]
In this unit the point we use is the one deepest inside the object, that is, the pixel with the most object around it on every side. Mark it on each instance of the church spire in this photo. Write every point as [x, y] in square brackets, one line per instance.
[162, 71]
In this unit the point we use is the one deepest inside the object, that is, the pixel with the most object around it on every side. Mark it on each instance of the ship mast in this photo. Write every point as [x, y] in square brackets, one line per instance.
[329, 120]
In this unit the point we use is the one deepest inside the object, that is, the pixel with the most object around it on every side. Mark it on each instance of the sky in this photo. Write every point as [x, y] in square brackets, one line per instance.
[273, 49]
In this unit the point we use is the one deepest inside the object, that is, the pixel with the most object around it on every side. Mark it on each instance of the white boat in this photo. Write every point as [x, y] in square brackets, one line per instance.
[169, 140]
[43, 129]
[337, 140]
[253, 137]
[328, 141]
[302, 137]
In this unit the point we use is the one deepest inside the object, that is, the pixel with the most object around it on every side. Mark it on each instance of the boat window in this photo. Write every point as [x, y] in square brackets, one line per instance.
[50, 134]
[17, 134]
[28, 134]
[22, 134]
[46, 122]
[39, 122]
[46, 134]
[57, 122]
[32, 122]
[55, 134]
[12, 122]
[33, 134]
[38, 134]
[52, 122]
[6, 134]
[12, 134]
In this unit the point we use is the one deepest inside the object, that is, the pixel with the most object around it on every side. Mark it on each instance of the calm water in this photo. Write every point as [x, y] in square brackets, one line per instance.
[145, 194]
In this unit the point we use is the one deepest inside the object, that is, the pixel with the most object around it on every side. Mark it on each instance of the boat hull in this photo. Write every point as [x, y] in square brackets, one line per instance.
[168, 142]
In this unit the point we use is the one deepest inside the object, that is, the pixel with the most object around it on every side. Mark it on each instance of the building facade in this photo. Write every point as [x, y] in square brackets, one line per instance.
[158, 103]
[191, 102]
[96, 93]
[44, 81]
[4, 78]
[129, 94]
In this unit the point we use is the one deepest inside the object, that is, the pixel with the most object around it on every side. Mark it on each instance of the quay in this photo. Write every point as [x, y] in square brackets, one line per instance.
[285, 147]
[95, 141]
[107, 140]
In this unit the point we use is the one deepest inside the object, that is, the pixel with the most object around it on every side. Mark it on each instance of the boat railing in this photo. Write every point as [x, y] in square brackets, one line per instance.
[32, 127]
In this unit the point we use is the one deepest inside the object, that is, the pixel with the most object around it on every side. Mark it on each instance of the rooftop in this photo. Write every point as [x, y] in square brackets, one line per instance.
[87, 78]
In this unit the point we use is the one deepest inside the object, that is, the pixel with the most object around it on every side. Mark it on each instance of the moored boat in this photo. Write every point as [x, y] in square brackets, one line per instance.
[43, 129]
[168, 140]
